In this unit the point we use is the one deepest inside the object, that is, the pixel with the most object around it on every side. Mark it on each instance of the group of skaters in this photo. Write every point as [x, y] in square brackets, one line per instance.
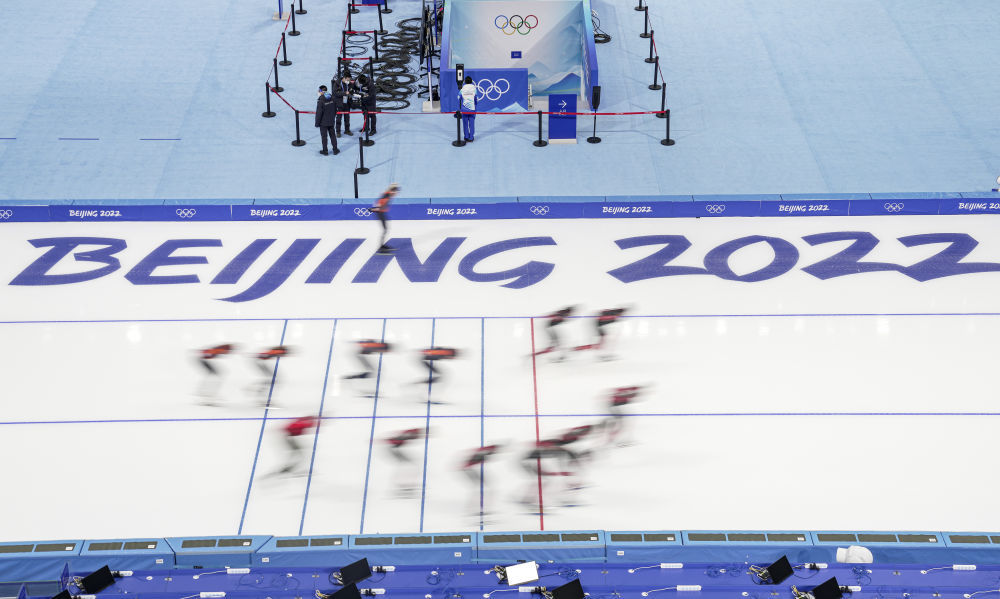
[264, 363]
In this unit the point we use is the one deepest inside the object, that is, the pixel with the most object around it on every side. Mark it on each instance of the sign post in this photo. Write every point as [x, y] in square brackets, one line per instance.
[562, 118]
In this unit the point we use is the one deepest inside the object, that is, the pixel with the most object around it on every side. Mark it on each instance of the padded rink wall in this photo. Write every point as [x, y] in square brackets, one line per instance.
[42, 561]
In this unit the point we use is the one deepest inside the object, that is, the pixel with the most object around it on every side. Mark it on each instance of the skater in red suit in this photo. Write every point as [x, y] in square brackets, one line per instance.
[407, 471]
[294, 430]
[602, 320]
[381, 210]
[210, 384]
[431, 355]
[614, 424]
[368, 347]
[267, 363]
[552, 321]
[473, 469]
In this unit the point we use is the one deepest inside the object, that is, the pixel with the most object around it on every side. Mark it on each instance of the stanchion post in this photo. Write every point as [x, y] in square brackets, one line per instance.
[381, 27]
[366, 127]
[343, 48]
[652, 32]
[350, 11]
[276, 87]
[639, 7]
[667, 141]
[663, 103]
[656, 73]
[594, 139]
[355, 185]
[361, 170]
[385, 7]
[284, 51]
[298, 136]
[376, 42]
[267, 94]
[301, 10]
[539, 143]
[459, 142]
[294, 31]
[645, 27]
[354, 9]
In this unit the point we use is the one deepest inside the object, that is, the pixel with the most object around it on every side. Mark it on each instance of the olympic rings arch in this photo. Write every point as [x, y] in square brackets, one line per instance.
[515, 24]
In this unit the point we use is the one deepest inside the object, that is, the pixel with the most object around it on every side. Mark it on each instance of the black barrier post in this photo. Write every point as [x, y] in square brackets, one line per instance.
[650, 59]
[645, 26]
[276, 87]
[343, 48]
[381, 27]
[539, 143]
[667, 141]
[303, 11]
[353, 9]
[385, 7]
[361, 170]
[293, 32]
[663, 103]
[459, 142]
[656, 72]
[284, 51]
[376, 44]
[267, 94]
[371, 73]
[367, 126]
[298, 137]
[350, 10]
[594, 139]
[355, 184]
[639, 7]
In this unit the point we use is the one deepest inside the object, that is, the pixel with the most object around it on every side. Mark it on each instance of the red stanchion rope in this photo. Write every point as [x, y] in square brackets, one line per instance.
[657, 53]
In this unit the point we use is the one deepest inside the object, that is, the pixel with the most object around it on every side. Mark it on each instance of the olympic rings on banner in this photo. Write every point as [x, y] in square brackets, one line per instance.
[492, 88]
[522, 25]
[894, 207]
[5, 214]
[539, 210]
[186, 212]
[362, 212]
[715, 208]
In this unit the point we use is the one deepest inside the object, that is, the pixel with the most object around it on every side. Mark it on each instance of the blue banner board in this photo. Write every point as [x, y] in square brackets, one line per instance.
[562, 126]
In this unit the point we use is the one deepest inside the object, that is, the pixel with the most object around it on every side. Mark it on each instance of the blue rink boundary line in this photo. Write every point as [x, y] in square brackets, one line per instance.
[529, 207]
[581, 317]
[319, 415]
[497, 416]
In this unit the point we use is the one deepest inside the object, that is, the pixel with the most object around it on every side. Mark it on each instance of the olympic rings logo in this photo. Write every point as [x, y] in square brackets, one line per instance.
[539, 210]
[5, 214]
[516, 23]
[492, 88]
[186, 212]
[362, 212]
[894, 207]
[715, 208]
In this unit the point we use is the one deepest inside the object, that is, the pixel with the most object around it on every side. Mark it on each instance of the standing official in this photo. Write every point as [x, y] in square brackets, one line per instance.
[344, 92]
[366, 88]
[326, 114]
[468, 98]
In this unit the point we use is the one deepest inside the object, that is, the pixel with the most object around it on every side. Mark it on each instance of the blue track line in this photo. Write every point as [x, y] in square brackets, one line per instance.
[482, 417]
[427, 435]
[322, 400]
[321, 318]
[371, 439]
[260, 438]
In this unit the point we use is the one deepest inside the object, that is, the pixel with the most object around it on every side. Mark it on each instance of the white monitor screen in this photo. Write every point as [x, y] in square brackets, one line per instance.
[521, 573]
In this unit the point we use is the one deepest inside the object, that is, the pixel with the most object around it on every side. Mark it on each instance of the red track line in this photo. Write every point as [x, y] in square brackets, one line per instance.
[534, 380]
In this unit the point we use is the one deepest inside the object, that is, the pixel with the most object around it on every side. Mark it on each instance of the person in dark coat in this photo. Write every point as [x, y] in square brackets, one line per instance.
[344, 92]
[326, 115]
[367, 90]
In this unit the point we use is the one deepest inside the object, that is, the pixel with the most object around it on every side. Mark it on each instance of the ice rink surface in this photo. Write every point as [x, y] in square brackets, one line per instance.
[860, 399]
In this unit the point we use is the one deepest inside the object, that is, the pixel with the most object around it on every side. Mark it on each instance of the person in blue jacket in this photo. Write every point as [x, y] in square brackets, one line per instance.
[469, 102]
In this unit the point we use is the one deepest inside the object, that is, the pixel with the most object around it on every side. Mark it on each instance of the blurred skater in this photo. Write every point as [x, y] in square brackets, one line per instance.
[381, 210]
[474, 470]
[209, 386]
[547, 462]
[366, 348]
[431, 355]
[552, 321]
[293, 432]
[614, 424]
[267, 363]
[407, 470]
[601, 321]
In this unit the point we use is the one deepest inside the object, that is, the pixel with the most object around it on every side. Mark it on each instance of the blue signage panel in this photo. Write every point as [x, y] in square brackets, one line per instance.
[561, 125]
[889, 206]
[287, 212]
[805, 208]
[22, 214]
[984, 205]
[717, 208]
[499, 89]
[628, 209]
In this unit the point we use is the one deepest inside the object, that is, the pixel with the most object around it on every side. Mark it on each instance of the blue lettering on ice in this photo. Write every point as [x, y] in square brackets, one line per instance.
[785, 257]
[848, 261]
[278, 273]
[428, 271]
[946, 262]
[37, 272]
[655, 264]
[524, 276]
[233, 271]
[332, 264]
[142, 274]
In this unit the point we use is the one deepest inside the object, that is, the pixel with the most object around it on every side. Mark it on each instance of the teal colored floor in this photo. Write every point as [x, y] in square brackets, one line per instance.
[770, 96]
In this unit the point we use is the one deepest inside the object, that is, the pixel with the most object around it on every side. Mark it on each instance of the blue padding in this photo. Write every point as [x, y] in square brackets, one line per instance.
[879, 207]
[543, 210]
[699, 208]
[223, 552]
[413, 549]
[33, 202]
[475, 200]
[289, 212]
[326, 551]
[208, 201]
[118, 202]
[131, 554]
[920, 195]
[36, 561]
[565, 546]
[282, 202]
[641, 546]
[629, 209]
[762, 197]
[993, 195]
[794, 197]
[676, 198]
[786, 207]
[559, 199]
[23, 214]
